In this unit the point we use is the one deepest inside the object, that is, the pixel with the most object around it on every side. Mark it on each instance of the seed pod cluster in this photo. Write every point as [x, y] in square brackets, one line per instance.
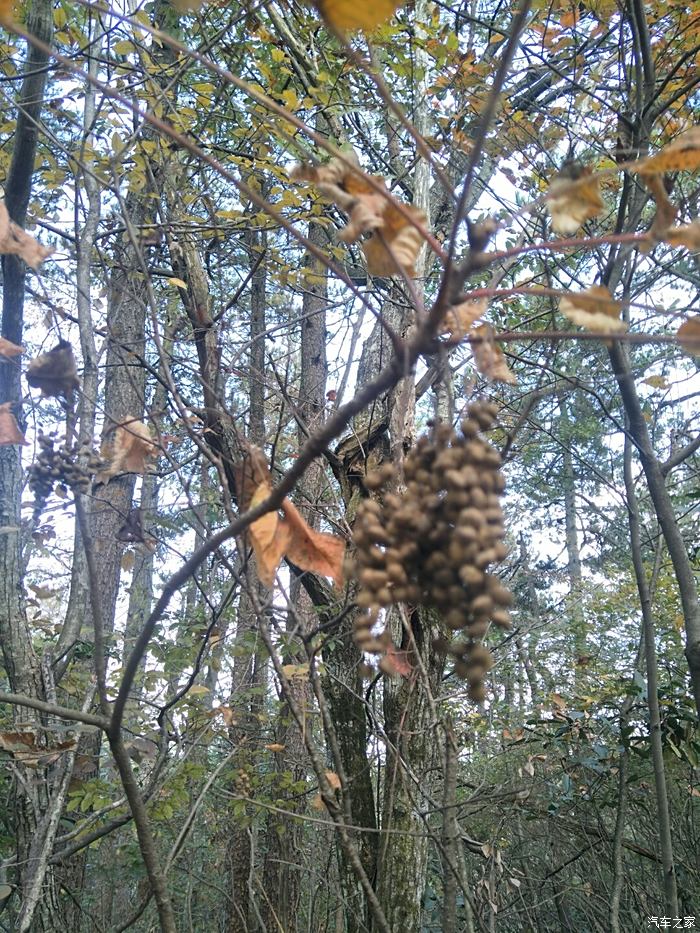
[65, 466]
[242, 783]
[432, 545]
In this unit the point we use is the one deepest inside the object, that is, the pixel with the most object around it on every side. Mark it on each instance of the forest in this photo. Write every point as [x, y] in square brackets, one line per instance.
[349, 546]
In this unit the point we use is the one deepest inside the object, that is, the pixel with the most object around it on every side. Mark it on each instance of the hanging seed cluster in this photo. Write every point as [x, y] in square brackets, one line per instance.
[433, 545]
[64, 467]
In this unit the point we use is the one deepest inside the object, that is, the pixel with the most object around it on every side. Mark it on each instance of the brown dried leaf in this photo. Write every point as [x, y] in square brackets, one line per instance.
[573, 198]
[9, 431]
[22, 746]
[13, 239]
[396, 662]
[689, 335]
[333, 780]
[275, 747]
[9, 349]
[682, 155]
[316, 551]
[595, 309]
[459, 319]
[396, 244]
[128, 451]
[687, 235]
[54, 372]
[268, 536]
[488, 356]
[665, 211]
[369, 210]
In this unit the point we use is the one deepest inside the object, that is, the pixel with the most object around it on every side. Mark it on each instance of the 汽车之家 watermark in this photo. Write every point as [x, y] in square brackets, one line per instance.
[672, 923]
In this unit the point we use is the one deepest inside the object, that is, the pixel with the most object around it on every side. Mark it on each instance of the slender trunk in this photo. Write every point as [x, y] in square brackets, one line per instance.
[662, 808]
[576, 621]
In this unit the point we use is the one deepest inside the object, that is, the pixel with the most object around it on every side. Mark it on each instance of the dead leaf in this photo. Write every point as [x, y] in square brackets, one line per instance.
[459, 319]
[656, 382]
[682, 155]
[395, 241]
[396, 662]
[316, 551]
[595, 309]
[333, 780]
[275, 747]
[268, 537]
[665, 212]
[54, 372]
[9, 431]
[291, 671]
[127, 562]
[688, 335]
[317, 803]
[13, 239]
[6, 8]
[348, 15]
[687, 235]
[22, 746]
[573, 198]
[273, 537]
[488, 356]
[127, 450]
[9, 349]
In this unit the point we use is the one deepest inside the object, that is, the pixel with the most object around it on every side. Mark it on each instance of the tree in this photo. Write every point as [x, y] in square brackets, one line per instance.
[278, 650]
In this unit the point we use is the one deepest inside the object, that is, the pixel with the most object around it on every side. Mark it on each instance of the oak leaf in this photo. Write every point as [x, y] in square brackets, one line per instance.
[348, 15]
[573, 198]
[488, 356]
[313, 550]
[689, 335]
[54, 372]
[9, 349]
[268, 536]
[9, 431]
[595, 310]
[127, 450]
[13, 239]
[681, 155]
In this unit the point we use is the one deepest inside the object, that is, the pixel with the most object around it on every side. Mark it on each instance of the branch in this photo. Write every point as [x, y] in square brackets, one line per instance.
[62, 712]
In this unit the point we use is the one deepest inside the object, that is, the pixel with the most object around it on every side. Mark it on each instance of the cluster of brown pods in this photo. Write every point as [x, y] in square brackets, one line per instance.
[432, 544]
[64, 466]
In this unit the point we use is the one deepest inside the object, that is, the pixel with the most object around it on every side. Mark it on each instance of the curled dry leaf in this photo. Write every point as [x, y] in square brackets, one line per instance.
[682, 155]
[348, 15]
[9, 431]
[54, 372]
[459, 319]
[127, 450]
[689, 335]
[24, 748]
[273, 537]
[573, 198]
[488, 356]
[9, 349]
[595, 310]
[687, 235]
[396, 240]
[13, 239]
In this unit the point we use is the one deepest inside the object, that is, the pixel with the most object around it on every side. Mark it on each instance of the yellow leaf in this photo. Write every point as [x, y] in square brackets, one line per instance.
[595, 309]
[656, 382]
[347, 15]
[573, 198]
[178, 283]
[459, 319]
[198, 690]
[488, 356]
[6, 8]
[682, 155]
[291, 671]
[689, 335]
[13, 238]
